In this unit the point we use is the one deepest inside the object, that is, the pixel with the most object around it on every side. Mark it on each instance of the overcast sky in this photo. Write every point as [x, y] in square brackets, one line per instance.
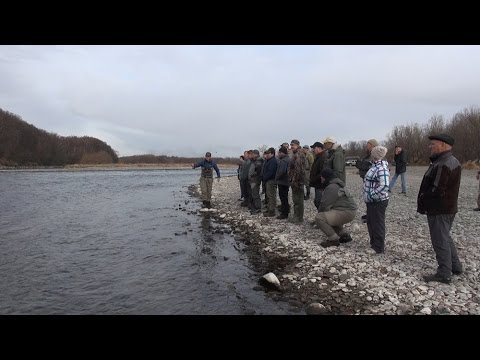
[186, 100]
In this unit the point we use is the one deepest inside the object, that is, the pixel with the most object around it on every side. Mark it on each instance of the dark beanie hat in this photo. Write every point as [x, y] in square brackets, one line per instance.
[283, 150]
[327, 174]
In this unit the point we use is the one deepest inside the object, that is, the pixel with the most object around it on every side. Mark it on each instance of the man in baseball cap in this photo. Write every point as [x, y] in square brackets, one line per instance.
[206, 178]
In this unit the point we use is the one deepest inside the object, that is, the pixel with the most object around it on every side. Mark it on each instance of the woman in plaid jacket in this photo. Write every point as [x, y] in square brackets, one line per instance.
[375, 194]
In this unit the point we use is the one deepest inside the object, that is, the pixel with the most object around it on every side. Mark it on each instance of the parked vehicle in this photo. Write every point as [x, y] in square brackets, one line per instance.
[351, 160]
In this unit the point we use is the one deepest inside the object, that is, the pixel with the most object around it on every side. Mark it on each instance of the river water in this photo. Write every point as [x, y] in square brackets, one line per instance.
[119, 242]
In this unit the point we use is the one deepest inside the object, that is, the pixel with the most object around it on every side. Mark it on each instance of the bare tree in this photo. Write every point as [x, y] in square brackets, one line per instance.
[262, 148]
[355, 148]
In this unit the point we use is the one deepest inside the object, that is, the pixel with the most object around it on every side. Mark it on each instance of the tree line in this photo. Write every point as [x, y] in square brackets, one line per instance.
[464, 126]
[22, 144]
[163, 159]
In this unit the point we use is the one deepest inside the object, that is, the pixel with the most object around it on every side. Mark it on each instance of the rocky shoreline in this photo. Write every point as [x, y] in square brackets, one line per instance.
[349, 280]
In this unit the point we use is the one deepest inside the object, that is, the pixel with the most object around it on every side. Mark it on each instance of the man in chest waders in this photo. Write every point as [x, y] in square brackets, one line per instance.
[206, 178]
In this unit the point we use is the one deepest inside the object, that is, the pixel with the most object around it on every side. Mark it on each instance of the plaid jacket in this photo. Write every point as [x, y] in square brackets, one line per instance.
[376, 182]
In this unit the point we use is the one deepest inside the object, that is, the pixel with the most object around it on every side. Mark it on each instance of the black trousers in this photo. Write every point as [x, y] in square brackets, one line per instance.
[247, 192]
[283, 194]
[318, 197]
[243, 191]
[255, 202]
[376, 224]
[443, 245]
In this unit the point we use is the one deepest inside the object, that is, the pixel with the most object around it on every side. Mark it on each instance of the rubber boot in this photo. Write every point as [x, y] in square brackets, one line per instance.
[307, 196]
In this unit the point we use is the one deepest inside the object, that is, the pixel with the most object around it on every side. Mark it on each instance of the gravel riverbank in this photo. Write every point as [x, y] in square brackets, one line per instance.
[347, 279]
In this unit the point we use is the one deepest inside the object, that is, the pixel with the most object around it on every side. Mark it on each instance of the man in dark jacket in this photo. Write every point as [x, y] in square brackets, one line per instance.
[438, 198]
[239, 174]
[281, 178]
[365, 164]
[206, 179]
[317, 167]
[268, 176]
[400, 169]
[255, 179]
[247, 191]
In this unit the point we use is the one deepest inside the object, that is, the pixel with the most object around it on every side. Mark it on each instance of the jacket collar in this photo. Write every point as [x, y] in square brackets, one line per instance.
[441, 155]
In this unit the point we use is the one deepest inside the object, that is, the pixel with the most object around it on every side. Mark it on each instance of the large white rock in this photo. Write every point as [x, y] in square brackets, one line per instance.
[426, 311]
[208, 210]
[316, 309]
[272, 279]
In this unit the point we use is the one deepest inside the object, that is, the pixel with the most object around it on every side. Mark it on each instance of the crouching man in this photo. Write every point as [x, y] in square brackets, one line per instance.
[336, 209]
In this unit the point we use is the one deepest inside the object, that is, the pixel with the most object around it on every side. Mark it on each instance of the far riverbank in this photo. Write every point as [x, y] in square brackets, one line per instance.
[106, 167]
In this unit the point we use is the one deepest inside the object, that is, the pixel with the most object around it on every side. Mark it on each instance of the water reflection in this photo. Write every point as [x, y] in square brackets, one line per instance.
[207, 244]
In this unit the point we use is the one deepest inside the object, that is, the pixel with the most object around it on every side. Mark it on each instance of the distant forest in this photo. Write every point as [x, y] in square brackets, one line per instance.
[22, 144]
[163, 159]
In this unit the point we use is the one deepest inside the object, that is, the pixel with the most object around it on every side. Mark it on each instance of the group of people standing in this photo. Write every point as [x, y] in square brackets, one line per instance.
[323, 168]
[296, 168]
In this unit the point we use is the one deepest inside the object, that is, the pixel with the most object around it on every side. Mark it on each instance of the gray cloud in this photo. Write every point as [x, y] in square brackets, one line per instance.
[185, 100]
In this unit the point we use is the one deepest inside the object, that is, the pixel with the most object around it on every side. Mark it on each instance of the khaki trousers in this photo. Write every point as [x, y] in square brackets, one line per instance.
[206, 188]
[272, 196]
[331, 222]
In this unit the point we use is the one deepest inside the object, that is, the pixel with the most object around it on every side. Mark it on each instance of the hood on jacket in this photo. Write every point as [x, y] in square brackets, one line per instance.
[334, 181]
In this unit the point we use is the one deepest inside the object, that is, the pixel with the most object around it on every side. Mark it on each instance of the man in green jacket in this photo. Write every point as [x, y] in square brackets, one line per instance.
[308, 165]
[337, 208]
[335, 158]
